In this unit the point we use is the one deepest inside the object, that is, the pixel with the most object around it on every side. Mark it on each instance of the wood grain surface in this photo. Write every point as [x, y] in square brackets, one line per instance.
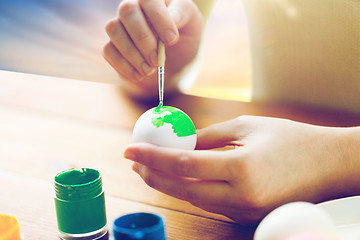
[51, 124]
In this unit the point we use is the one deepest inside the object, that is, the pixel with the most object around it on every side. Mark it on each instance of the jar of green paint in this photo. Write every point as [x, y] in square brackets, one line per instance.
[80, 204]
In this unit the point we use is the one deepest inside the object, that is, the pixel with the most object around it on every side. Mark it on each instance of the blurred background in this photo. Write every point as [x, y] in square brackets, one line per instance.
[65, 39]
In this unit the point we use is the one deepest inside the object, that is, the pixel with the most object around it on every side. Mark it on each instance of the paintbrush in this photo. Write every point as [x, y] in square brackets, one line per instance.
[161, 71]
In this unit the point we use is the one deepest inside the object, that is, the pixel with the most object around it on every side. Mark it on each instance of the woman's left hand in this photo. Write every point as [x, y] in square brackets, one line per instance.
[274, 161]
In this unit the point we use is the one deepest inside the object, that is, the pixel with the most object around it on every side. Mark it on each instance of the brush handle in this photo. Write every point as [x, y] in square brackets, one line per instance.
[161, 71]
[161, 54]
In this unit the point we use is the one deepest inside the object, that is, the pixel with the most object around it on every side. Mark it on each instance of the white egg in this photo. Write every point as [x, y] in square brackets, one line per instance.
[167, 127]
[295, 219]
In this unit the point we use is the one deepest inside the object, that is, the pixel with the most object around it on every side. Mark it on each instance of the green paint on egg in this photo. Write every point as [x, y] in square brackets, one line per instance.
[181, 123]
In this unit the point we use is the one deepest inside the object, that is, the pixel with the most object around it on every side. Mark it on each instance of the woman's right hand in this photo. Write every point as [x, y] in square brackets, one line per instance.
[134, 34]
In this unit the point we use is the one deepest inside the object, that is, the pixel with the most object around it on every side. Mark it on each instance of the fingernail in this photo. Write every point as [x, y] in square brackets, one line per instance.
[147, 69]
[154, 58]
[170, 37]
[138, 76]
[175, 15]
[130, 155]
[136, 167]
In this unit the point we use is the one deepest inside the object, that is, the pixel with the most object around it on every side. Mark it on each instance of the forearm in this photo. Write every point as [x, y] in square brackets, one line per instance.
[345, 177]
[350, 148]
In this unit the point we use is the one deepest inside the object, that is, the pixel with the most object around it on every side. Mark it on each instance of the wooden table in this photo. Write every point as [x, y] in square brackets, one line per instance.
[50, 124]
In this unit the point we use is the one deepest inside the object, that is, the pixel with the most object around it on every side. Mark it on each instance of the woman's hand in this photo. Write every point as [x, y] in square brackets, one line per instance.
[134, 34]
[274, 161]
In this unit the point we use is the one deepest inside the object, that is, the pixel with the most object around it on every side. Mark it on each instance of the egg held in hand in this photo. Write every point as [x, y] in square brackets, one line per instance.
[167, 127]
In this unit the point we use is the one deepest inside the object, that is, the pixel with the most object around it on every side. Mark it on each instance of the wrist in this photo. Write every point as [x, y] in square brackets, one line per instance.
[347, 167]
[350, 145]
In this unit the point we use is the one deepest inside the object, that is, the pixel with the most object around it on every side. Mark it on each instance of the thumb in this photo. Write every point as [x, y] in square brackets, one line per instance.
[218, 135]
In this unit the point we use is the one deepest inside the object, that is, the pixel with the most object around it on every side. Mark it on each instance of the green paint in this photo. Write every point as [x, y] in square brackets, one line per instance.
[77, 177]
[79, 201]
[181, 123]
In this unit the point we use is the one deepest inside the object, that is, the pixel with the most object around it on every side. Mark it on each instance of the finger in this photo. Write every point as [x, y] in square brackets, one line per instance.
[243, 215]
[119, 63]
[182, 12]
[218, 135]
[135, 23]
[192, 190]
[121, 40]
[158, 15]
[210, 165]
